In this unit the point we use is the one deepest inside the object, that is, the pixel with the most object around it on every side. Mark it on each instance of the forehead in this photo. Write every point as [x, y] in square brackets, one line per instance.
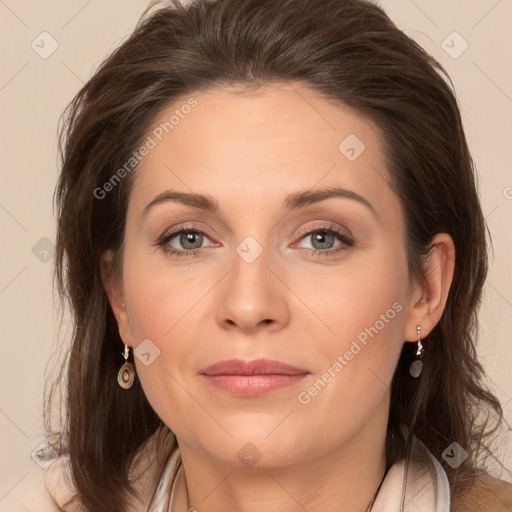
[247, 143]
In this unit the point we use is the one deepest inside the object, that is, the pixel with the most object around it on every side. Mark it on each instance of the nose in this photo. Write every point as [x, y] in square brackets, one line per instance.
[253, 296]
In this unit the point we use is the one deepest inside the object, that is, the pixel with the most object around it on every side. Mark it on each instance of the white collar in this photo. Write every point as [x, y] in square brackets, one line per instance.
[426, 488]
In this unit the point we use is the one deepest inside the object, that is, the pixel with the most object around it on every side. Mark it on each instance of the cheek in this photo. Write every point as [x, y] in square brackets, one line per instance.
[362, 300]
[156, 310]
[355, 361]
[157, 302]
[158, 297]
[363, 310]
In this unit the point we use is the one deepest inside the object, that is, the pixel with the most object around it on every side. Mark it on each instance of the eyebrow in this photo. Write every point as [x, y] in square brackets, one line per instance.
[292, 202]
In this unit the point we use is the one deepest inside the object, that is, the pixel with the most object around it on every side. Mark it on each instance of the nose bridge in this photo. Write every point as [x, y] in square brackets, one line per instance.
[252, 295]
[251, 275]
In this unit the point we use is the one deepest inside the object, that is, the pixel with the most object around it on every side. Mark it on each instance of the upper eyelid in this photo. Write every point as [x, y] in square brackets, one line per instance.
[179, 230]
[327, 226]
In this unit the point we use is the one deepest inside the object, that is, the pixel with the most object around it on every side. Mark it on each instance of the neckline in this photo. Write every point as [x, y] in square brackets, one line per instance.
[404, 487]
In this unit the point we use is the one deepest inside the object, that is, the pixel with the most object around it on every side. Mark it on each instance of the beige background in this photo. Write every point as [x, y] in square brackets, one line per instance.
[35, 90]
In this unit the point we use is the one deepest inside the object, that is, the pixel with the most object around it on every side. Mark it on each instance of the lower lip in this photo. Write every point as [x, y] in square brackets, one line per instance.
[253, 385]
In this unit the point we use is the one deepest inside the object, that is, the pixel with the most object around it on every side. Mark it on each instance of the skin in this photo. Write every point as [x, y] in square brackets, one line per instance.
[249, 151]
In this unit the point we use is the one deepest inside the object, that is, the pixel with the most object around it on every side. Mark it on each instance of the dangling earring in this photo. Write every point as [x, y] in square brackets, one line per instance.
[126, 374]
[417, 364]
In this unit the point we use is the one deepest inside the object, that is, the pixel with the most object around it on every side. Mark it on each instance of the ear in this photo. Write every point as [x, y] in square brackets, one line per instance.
[427, 301]
[114, 289]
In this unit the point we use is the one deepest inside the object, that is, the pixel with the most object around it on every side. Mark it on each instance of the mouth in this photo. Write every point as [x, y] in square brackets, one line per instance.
[252, 378]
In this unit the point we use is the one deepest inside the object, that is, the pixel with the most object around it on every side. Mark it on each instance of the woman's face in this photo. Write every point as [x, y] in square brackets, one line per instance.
[276, 270]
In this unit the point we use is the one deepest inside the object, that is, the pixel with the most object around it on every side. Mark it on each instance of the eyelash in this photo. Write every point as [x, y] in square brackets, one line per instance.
[343, 237]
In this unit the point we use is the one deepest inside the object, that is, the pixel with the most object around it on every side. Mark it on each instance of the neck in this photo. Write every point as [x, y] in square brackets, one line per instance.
[344, 478]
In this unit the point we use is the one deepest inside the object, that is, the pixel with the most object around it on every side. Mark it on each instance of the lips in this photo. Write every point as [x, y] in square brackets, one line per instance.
[252, 378]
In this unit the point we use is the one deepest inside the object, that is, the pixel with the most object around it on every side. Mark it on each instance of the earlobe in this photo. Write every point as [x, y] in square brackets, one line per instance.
[429, 300]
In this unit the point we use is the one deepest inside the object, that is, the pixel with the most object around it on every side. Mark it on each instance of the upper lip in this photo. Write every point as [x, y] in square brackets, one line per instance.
[253, 367]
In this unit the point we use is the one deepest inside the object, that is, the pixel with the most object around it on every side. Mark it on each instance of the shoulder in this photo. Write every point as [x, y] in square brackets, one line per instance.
[46, 489]
[487, 494]
[50, 487]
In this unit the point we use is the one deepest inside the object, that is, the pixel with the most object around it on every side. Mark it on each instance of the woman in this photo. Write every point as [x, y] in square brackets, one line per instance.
[273, 248]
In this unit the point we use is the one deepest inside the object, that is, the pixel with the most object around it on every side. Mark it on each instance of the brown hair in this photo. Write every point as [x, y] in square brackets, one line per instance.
[351, 53]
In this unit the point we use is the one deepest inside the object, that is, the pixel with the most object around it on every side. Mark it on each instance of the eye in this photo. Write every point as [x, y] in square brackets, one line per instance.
[189, 239]
[323, 240]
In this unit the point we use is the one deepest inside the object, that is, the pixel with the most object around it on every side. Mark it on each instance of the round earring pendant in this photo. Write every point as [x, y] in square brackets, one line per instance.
[415, 369]
[126, 376]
